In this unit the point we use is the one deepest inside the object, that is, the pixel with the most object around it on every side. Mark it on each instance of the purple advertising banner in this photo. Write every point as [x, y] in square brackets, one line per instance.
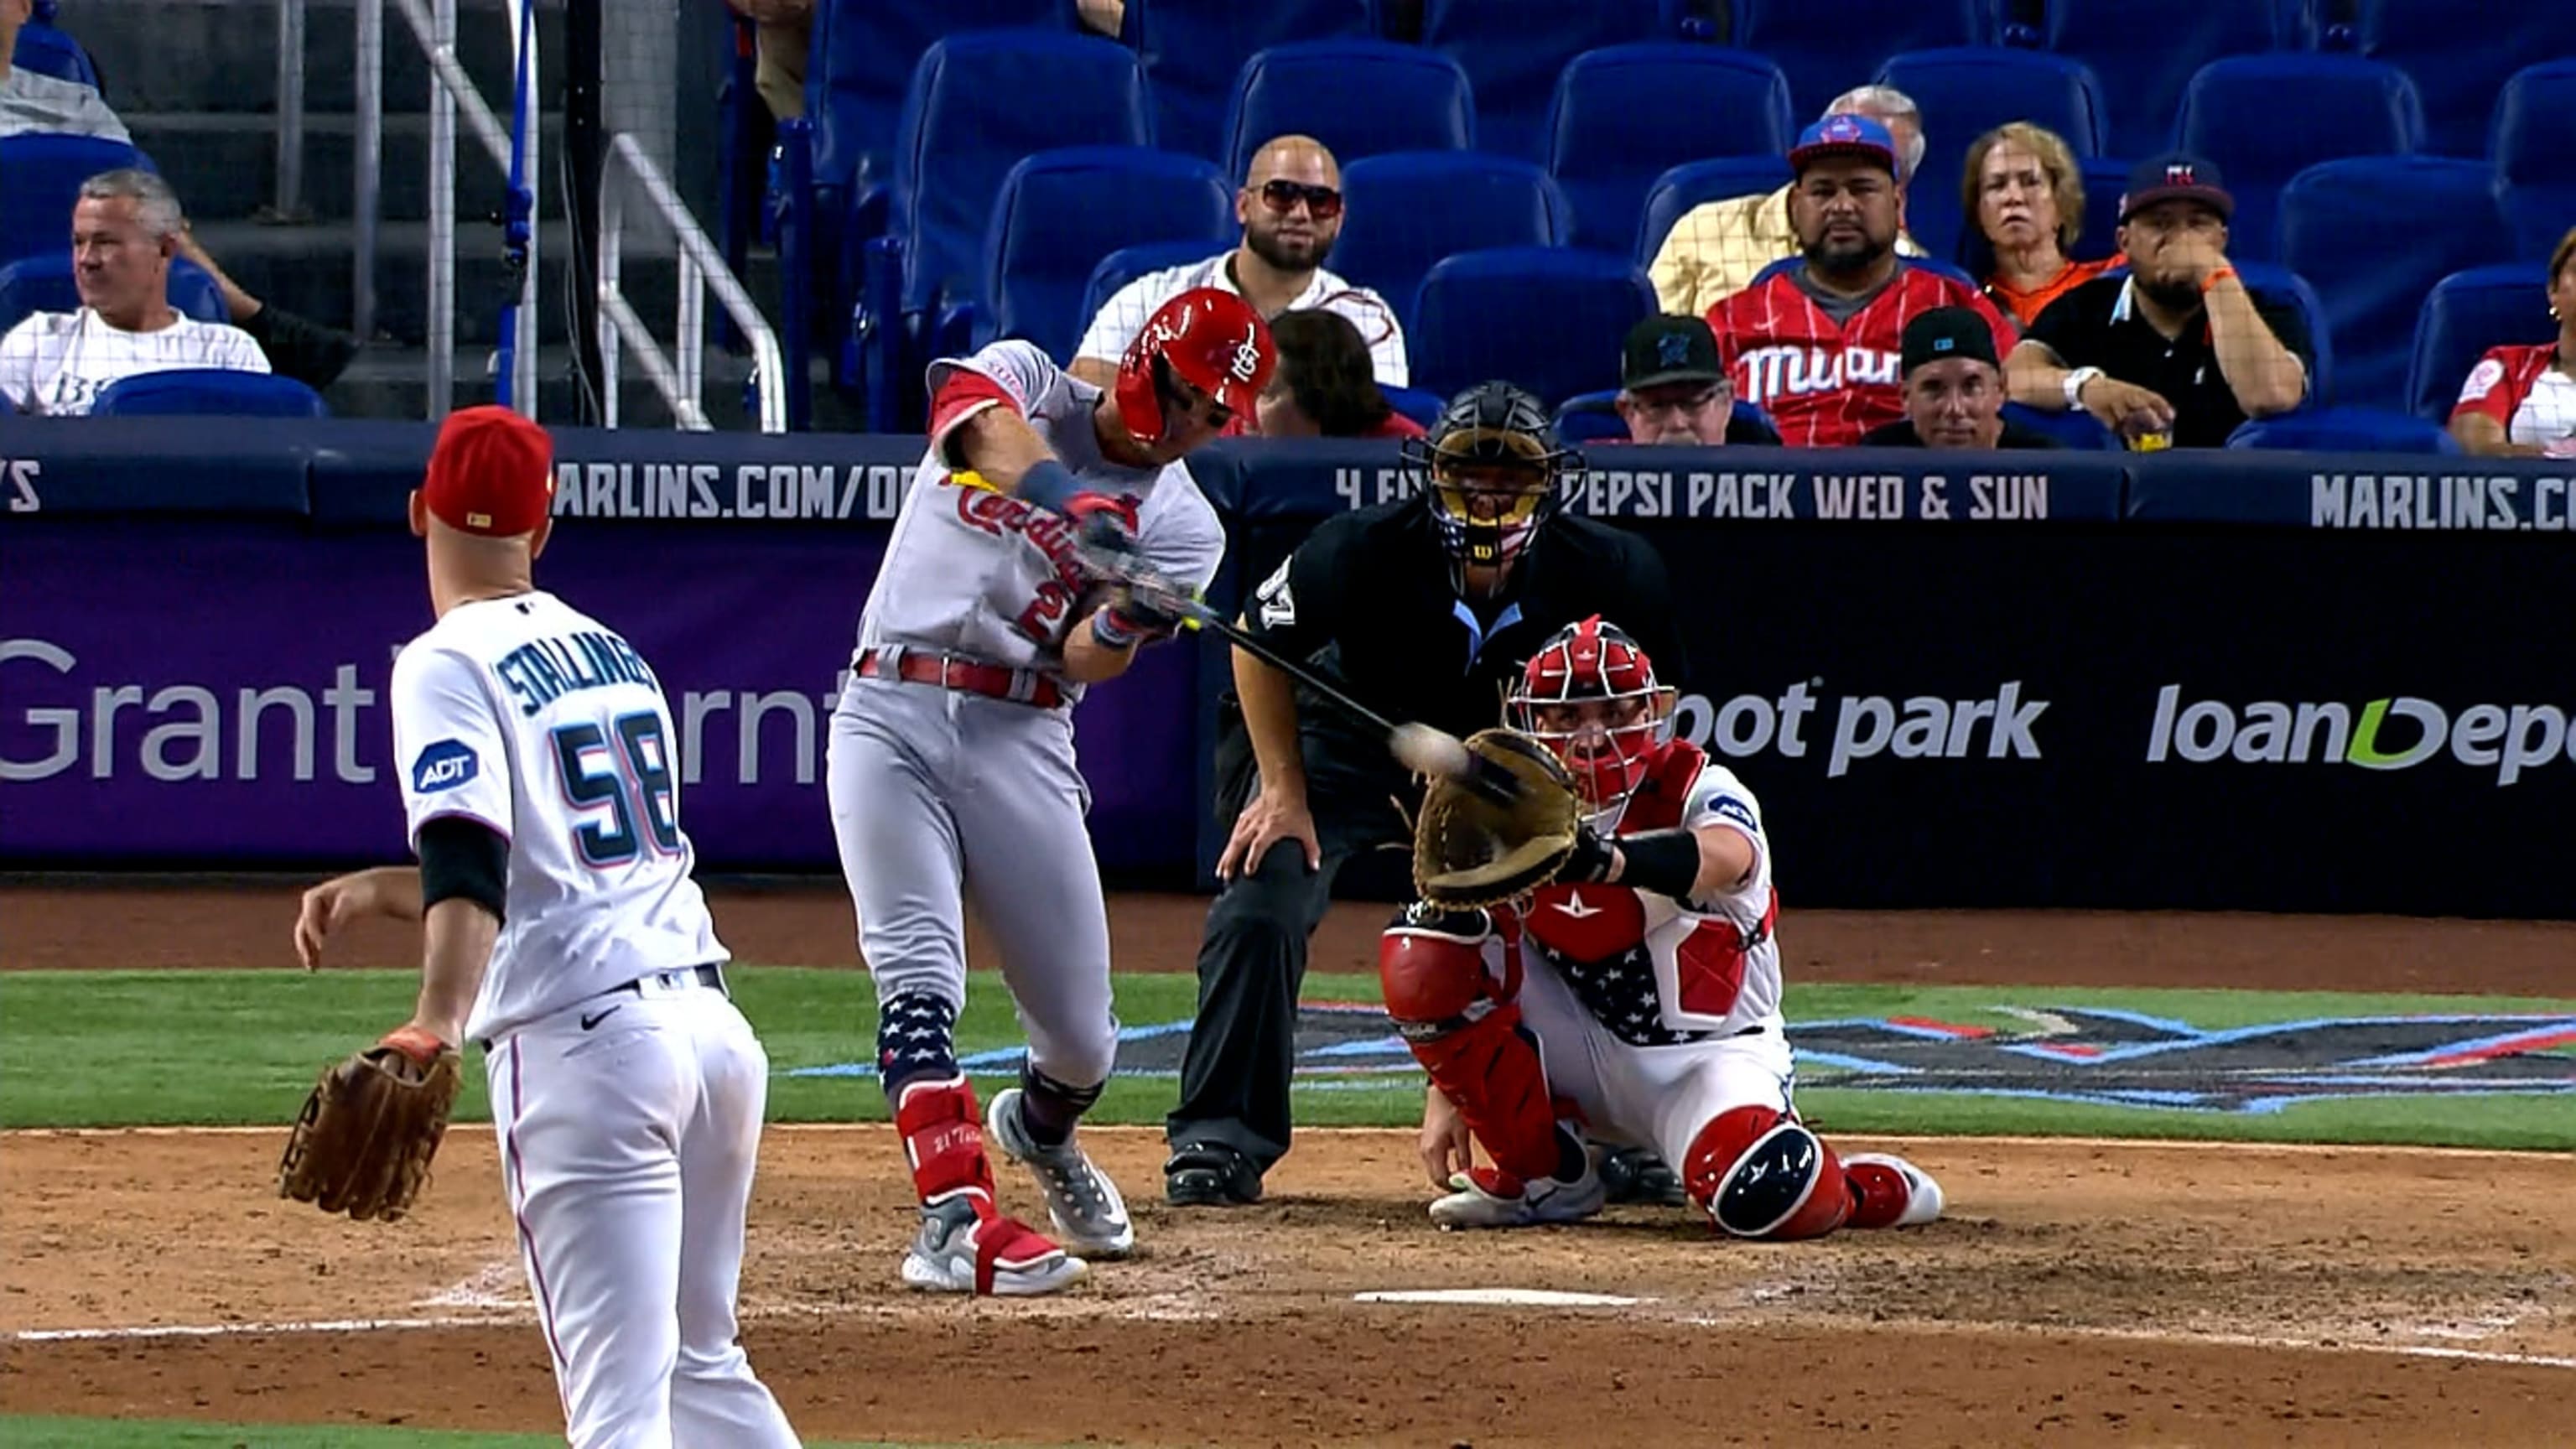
[215, 691]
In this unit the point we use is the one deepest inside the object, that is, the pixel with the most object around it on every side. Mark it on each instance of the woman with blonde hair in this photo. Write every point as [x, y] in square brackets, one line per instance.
[2025, 192]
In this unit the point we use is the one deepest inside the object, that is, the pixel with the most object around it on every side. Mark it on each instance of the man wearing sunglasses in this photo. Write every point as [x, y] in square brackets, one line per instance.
[1424, 609]
[1291, 209]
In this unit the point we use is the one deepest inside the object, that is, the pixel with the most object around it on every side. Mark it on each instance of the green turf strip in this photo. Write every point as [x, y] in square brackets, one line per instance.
[107, 1048]
[20, 1432]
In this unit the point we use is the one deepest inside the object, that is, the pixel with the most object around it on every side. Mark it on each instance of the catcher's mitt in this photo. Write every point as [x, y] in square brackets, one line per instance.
[1469, 850]
[363, 1143]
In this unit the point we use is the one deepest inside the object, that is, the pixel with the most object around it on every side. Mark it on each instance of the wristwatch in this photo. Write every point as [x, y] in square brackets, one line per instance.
[2075, 384]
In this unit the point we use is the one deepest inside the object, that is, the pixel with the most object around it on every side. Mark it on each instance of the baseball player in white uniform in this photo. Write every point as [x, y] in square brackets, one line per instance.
[564, 936]
[1638, 998]
[952, 772]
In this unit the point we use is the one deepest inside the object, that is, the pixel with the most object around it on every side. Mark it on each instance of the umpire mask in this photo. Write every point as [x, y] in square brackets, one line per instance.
[1495, 471]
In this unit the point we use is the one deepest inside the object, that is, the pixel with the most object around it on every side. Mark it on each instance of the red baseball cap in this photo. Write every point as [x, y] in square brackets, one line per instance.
[492, 472]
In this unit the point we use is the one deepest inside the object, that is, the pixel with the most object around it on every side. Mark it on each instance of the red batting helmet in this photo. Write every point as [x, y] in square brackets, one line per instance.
[1210, 339]
[1587, 663]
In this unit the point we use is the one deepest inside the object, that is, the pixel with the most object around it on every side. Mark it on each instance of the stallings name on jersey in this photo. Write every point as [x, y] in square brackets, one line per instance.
[542, 671]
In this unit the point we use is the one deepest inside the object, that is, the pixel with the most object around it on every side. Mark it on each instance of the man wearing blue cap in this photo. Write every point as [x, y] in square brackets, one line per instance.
[2176, 351]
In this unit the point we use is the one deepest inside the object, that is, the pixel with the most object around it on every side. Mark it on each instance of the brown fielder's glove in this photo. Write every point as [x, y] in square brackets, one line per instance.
[1470, 849]
[364, 1140]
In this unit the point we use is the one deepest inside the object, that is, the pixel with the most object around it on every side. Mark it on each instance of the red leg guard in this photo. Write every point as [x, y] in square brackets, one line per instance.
[943, 1139]
[1470, 1042]
[1758, 1173]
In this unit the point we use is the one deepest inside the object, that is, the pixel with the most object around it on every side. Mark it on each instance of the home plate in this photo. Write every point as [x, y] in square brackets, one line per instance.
[1499, 1298]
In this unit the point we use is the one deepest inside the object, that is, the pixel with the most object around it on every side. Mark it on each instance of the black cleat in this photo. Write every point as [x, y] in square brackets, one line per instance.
[1210, 1174]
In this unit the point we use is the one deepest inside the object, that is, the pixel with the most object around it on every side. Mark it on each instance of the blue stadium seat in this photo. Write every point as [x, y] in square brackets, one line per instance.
[1698, 183]
[860, 68]
[1409, 210]
[2074, 427]
[1625, 114]
[2104, 182]
[43, 50]
[208, 391]
[1828, 49]
[1358, 97]
[40, 178]
[1423, 407]
[1966, 91]
[2465, 314]
[2266, 118]
[2534, 163]
[1551, 319]
[1128, 263]
[2344, 430]
[967, 122]
[1194, 49]
[43, 283]
[2274, 282]
[2460, 59]
[1060, 212]
[2335, 232]
[2143, 80]
[1515, 50]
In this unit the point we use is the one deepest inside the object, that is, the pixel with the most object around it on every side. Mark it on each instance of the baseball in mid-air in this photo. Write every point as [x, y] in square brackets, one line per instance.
[1429, 751]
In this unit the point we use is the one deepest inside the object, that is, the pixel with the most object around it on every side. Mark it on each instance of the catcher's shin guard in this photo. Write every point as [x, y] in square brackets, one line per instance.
[1758, 1173]
[1431, 967]
[1890, 1192]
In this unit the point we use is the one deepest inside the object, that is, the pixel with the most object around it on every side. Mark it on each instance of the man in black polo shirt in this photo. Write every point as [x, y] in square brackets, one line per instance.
[1423, 609]
[2176, 352]
[1954, 389]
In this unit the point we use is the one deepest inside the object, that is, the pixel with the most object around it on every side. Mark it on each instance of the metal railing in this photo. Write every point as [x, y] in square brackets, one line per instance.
[681, 381]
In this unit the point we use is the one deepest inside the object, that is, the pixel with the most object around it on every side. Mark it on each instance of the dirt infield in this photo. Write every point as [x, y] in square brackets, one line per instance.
[2078, 1293]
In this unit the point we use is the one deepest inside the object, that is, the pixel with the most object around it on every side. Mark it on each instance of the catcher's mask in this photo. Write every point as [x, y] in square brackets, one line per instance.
[1590, 695]
[1495, 470]
[1210, 340]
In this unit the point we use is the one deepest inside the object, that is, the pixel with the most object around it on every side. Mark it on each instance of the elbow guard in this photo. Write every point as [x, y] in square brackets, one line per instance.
[467, 858]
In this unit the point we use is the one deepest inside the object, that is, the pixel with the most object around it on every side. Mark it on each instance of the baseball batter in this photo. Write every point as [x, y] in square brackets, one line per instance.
[952, 771]
[1638, 997]
[563, 934]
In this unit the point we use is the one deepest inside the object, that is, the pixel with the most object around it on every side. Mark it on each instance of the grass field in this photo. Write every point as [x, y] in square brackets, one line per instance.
[96, 1049]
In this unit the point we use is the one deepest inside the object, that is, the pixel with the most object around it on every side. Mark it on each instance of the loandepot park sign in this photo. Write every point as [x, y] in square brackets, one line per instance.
[2090, 1055]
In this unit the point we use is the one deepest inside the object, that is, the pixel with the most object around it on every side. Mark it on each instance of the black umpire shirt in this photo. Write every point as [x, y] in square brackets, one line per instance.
[2097, 325]
[1367, 598]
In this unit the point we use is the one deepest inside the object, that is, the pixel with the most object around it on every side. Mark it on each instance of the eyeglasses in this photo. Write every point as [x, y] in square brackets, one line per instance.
[1322, 202]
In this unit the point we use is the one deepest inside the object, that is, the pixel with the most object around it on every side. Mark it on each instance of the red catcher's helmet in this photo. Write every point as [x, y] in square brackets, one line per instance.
[1210, 339]
[1608, 749]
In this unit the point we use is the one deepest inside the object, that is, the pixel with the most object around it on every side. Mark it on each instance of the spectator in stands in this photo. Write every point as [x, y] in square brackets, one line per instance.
[782, 31]
[1816, 342]
[2520, 402]
[295, 347]
[2027, 195]
[1673, 390]
[1323, 387]
[1717, 248]
[1954, 389]
[2178, 352]
[125, 229]
[1291, 209]
[44, 103]
[1106, 17]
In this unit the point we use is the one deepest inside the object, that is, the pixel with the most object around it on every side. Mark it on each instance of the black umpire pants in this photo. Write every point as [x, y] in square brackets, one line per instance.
[1252, 958]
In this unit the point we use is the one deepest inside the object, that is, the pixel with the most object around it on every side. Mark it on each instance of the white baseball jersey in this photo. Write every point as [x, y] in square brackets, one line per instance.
[58, 362]
[531, 717]
[975, 572]
[1131, 306]
[1653, 970]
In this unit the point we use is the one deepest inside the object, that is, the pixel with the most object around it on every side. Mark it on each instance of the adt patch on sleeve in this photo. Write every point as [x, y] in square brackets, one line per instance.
[1736, 810]
[443, 766]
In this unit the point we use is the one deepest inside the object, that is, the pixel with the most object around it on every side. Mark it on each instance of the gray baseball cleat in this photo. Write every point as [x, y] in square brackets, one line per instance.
[958, 1250]
[1082, 1202]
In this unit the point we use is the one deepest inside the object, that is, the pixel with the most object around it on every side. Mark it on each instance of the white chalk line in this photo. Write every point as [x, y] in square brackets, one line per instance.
[1405, 1135]
[1164, 1308]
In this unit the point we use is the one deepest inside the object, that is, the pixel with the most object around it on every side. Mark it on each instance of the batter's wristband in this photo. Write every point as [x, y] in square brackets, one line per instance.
[1049, 484]
[1665, 862]
[1106, 629]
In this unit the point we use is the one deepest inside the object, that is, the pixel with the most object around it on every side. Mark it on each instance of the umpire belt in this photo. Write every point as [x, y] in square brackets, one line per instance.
[974, 676]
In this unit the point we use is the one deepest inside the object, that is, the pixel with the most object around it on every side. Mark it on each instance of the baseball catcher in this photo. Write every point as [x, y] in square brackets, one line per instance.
[1595, 955]
[363, 1143]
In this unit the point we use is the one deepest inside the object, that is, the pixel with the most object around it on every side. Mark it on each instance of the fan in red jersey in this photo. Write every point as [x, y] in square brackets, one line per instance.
[1816, 340]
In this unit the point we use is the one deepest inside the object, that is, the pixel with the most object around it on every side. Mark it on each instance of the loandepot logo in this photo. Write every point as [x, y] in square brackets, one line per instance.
[2382, 734]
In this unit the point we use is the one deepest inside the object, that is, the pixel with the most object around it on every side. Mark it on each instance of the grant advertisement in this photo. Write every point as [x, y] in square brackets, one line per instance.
[214, 695]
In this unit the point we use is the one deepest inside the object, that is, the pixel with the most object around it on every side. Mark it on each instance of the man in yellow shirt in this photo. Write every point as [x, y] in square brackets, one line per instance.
[1716, 248]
